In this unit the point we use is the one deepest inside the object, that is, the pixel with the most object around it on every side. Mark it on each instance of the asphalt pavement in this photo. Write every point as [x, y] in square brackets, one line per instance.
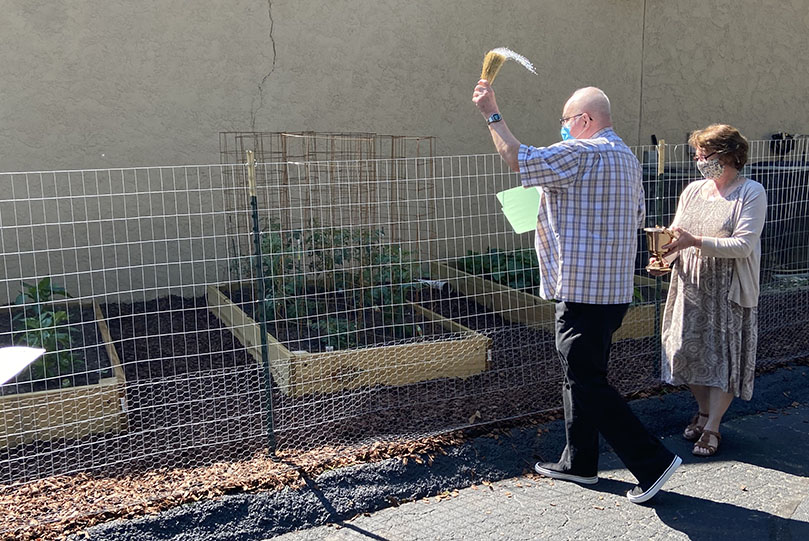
[756, 487]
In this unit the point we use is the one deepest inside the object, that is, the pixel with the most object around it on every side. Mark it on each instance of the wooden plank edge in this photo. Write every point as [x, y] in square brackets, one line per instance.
[52, 400]
[112, 353]
[248, 332]
[104, 384]
[278, 352]
[383, 374]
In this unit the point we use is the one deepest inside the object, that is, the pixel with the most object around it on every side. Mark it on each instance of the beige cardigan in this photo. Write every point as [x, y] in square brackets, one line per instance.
[744, 245]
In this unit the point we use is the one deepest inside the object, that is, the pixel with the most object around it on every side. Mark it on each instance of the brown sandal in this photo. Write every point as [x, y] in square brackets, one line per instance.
[693, 431]
[703, 444]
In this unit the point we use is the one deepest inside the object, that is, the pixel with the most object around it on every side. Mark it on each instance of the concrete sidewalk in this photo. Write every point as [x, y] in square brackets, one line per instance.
[755, 488]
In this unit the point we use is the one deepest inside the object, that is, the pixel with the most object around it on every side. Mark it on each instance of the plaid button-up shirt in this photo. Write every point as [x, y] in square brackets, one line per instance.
[590, 208]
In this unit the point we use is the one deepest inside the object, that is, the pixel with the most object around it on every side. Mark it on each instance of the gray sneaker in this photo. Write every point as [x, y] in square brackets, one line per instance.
[555, 471]
[638, 495]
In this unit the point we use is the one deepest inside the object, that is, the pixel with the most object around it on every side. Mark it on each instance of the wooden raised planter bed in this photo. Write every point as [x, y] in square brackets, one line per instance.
[527, 309]
[73, 412]
[299, 373]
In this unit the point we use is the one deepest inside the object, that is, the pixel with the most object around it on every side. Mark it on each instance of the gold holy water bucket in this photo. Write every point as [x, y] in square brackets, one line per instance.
[656, 238]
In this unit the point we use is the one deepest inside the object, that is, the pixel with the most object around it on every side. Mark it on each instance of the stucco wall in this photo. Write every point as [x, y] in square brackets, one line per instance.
[741, 62]
[103, 84]
[96, 84]
[106, 84]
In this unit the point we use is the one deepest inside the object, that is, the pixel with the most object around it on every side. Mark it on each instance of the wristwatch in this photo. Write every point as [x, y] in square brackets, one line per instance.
[494, 118]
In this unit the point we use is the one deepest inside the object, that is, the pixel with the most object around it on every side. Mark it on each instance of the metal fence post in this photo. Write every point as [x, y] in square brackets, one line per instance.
[659, 185]
[260, 304]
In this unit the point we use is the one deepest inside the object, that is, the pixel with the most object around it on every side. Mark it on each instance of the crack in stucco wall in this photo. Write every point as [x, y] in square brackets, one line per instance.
[253, 109]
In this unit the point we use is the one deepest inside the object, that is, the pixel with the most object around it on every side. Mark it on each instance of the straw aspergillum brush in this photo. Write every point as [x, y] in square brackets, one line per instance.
[495, 59]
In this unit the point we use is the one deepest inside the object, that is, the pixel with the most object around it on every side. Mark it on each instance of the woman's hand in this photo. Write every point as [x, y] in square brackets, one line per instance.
[683, 240]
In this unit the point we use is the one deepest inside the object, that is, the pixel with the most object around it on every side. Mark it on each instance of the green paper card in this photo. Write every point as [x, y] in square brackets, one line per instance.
[520, 205]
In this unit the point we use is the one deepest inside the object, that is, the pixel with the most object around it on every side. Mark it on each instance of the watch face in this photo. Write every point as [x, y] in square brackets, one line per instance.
[494, 118]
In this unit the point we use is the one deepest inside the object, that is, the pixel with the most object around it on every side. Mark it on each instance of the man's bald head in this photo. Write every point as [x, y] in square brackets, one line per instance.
[595, 103]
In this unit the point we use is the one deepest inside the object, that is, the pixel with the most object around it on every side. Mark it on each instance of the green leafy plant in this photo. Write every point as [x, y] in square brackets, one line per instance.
[41, 325]
[336, 332]
[517, 269]
[382, 276]
[284, 283]
[389, 275]
[302, 269]
[637, 296]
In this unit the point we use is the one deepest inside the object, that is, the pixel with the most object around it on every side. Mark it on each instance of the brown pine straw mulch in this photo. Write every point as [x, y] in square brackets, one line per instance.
[56, 507]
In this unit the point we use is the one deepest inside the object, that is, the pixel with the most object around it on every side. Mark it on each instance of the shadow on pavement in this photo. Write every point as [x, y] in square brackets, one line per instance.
[705, 519]
[702, 519]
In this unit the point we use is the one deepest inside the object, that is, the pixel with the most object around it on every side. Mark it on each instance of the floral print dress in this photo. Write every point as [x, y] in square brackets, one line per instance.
[707, 338]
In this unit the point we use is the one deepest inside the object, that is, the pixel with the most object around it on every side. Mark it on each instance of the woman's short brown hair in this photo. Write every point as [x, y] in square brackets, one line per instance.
[725, 140]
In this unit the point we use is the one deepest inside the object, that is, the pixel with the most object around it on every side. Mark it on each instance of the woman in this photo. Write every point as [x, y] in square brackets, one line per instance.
[709, 323]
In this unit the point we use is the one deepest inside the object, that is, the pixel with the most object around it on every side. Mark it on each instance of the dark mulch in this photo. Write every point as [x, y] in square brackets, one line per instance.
[170, 337]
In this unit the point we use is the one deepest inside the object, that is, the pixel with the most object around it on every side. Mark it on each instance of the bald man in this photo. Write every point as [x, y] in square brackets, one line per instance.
[591, 206]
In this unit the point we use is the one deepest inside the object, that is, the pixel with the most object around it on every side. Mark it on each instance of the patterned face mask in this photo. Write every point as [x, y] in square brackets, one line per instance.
[710, 168]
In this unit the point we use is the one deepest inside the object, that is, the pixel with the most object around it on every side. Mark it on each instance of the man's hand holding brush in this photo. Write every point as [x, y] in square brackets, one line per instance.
[506, 144]
[483, 98]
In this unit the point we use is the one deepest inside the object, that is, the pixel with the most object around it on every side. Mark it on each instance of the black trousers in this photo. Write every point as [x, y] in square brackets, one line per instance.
[592, 406]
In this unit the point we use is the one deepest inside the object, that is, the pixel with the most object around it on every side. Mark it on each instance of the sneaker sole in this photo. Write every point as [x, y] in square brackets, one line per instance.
[565, 476]
[655, 488]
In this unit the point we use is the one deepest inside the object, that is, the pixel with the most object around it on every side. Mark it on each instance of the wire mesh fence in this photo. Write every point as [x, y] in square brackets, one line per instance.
[397, 304]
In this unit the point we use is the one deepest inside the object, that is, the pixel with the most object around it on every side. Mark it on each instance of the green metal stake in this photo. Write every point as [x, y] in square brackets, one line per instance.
[261, 305]
[661, 162]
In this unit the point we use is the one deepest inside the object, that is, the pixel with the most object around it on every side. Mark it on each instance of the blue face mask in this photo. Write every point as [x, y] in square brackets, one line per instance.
[565, 131]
